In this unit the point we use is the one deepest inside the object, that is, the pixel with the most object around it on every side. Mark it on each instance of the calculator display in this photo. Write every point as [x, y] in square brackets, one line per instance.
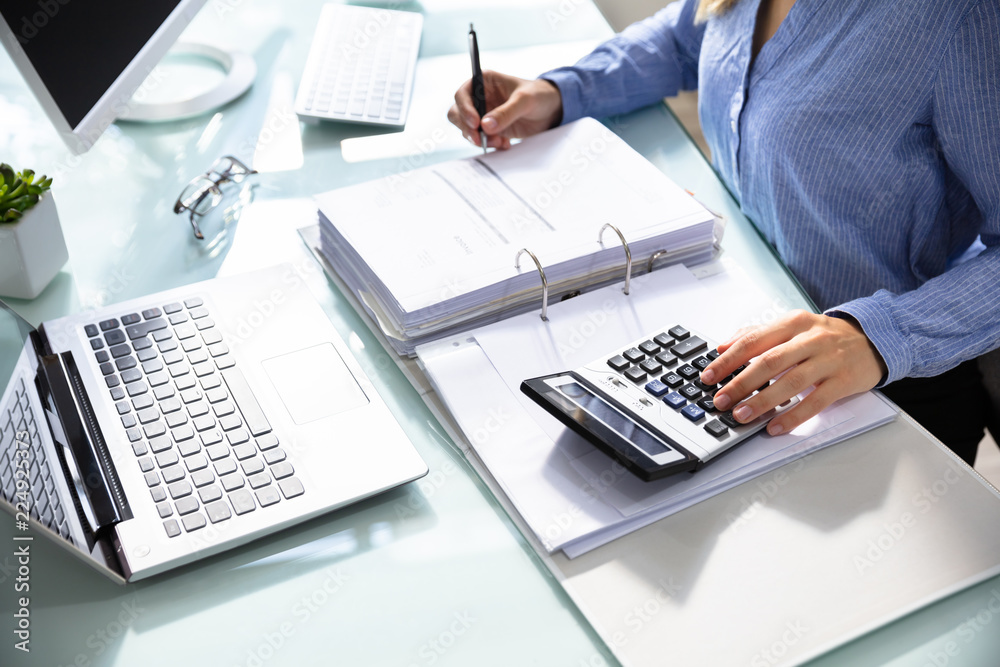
[596, 407]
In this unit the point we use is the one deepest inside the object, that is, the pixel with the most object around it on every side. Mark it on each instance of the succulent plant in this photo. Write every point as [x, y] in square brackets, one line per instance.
[19, 192]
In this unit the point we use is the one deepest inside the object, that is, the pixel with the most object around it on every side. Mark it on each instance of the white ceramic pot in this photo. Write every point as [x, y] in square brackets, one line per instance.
[32, 250]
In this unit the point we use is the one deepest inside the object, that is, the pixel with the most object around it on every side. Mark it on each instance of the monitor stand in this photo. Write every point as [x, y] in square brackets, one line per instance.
[240, 70]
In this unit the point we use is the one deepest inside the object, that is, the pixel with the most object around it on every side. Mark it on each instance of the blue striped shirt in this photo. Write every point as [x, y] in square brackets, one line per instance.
[864, 142]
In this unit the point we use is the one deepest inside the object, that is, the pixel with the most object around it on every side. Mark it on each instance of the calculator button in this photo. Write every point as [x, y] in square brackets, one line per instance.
[690, 392]
[764, 386]
[679, 333]
[672, 380]
[663, 340]
[688, 372]
[635, 374]
[634, 355]
[618, 362]
[713, 355]
[649, 347]
[701, 363]
[657, 388]
[707, 388]
[674, 400]
[666, 358]
[716, 428]
[688, 347]
[693, 412]
[728, 419]
[651, 366]
[707, 404]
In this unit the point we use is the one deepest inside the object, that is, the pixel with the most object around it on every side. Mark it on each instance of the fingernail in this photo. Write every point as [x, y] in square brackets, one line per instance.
[708, 377]
[489, 124]
[722, 402]
[775, 429]
[743, 413]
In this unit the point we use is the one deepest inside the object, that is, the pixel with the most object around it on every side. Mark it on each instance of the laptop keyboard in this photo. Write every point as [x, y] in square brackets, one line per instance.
[21, 449]
[201, 441]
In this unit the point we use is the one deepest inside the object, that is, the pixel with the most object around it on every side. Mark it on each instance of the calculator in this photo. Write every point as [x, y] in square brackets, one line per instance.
[645, 406]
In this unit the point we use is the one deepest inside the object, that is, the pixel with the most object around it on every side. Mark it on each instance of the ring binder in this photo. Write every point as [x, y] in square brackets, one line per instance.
[541, 272]
[628, 252]
[652, 258]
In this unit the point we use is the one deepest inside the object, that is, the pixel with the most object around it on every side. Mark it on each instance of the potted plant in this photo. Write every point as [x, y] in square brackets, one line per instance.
[32, 248]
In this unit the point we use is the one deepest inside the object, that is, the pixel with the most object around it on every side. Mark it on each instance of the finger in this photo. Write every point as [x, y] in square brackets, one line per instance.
[456, 119]
[736, 336]
[755, 342]
[506, 114]
[768, 365]
[769, 396]
[810, 406]
[465, 106]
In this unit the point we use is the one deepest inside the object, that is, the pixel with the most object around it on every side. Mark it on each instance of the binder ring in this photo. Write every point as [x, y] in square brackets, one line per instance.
[541, 272]
[628, 252]
[652, 258]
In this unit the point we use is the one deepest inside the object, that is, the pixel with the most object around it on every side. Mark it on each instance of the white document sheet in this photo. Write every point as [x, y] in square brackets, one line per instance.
[572, 496]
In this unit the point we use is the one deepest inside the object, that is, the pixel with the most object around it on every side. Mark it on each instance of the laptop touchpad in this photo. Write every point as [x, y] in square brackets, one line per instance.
[314, 383]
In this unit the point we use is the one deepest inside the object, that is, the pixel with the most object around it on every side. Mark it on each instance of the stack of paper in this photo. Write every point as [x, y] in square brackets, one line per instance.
[431, 252]
[572, 496]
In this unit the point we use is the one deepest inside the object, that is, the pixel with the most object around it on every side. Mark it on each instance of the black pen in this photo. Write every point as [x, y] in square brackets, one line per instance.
[478, 88]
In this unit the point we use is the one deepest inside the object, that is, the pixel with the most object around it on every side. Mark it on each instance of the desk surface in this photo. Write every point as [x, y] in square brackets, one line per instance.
[433, 573]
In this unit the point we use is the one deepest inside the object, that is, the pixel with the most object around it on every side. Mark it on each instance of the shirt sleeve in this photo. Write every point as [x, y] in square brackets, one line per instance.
[955, 316]
[649, 60]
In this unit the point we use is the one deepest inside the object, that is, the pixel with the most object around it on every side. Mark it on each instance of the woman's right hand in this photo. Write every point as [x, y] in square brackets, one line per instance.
[515, 108]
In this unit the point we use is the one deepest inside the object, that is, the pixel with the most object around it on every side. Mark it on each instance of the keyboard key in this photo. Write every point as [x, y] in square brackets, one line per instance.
[203, 423]
[209, 493]
[112, 381]
[728, 419]
[174, 473]
[192, 345]
[164, 510]
[96, 343]
[185, 382]
[635, 374]
[707, 404]
[716, 428]
[123, 407]
[172, 308]
[151, 313]
[242, 501]
[168, 405]
[143, 329]
[224, 408]
[202, 478]
[672, 380]
[196, 463]
[178, 318]
[144, 355]
[690, 392]
[649, 347]
[152, 479]
[218, 511]
[158, 493]
[679, 333]
[232, 482]
[713, 355]
[243, 396]
[131, 318]
[136, 388]
[688, 347]
[266, 442]
[666, 359]
[198, 408]
[188, 447]
[187, 505]
[244, 451]
[148, 415]
[108, 325]
[674, 400]
[634, 355]
[216, 395]
[146, 464]
[259, 480]
[225, 466]
[210, 437]
[282, 470]
[139, 448]
[142, 344]
[107, 368]
[173, 530]
[131, 375]
[657, 388]
[102, 357]
[651, 366]
[693, 412]
[191, 395]
[701, 363]
[230, 422]
[291, 487]
[193, 302]
[182, 433]
[194, 521]
[90, 330]
[216, 452]
[152, 366]
[169, 345]
[114, 337]
[179, 490]
[267, 496]
[142, 402]
[252, 466]
[273, 456]
[154, 429]
[159, 444]
[184, 331]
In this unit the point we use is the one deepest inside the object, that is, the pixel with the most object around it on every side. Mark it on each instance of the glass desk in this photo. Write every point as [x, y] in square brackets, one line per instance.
[434, 572]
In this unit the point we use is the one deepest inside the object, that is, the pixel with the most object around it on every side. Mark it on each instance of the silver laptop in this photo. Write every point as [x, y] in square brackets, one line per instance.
[149, 434]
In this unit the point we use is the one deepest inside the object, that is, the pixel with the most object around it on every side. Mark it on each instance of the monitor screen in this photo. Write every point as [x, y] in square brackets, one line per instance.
[80, 48]
[85, 59]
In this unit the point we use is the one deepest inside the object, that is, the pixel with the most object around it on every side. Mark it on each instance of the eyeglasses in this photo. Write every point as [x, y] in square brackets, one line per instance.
[204, 192]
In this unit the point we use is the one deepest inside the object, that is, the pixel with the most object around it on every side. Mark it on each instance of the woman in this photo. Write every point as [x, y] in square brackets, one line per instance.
[863, 138]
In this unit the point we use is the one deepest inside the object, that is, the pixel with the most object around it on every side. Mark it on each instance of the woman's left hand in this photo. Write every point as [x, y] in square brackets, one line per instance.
[831, 354]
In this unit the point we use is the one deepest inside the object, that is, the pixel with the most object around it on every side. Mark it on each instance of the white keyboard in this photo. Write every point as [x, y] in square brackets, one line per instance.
[360, 66]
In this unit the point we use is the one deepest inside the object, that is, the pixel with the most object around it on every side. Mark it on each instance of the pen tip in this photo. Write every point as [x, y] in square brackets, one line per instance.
[471, 29]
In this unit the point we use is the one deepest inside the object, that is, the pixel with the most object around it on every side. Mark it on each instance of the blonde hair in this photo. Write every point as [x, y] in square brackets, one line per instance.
[708, 8]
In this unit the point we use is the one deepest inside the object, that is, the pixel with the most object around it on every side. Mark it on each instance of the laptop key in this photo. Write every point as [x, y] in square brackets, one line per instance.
[114, 337]
[182, 433]
[172, 308]
[244, 451]
[148, 415]
[267, 496]
[259, 480]
[158, 493]
[112, 381]
[154, 429]
[169, 405]
[209, 493]
[203, 423]
[160, 443]
[187, 505]
[232, 482]
[252, 466]
[108, 325]
[163, 392]
[188, 447]
[291, 487]
[173, 530]
[152, 366]
[211, 437]
[107, 368]
[174, 473]
[179, 489]
[143, 329]
[165, 459]
[197, 462]
[131, 318]
[242, 501]
[218, 511]
[136, 388]
[266, 442]
[193, 522]
[185, 382]
[246, 401]
[282, 470]
[144, 355]
[194, 302]
[145, 464]
[139, 448]
[217, 452]
[238, 437]
[273, 456]
[90, 330]
[202, 478]
[96, 343]
[142, 344]
[197, 409]
[142, 402]
[225, 466]
[152, 479]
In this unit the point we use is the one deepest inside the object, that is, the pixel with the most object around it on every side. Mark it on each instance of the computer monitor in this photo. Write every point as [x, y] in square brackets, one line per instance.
[85, 60]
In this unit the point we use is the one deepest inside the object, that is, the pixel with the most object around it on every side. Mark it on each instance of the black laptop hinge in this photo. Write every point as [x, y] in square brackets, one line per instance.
[62, 387]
